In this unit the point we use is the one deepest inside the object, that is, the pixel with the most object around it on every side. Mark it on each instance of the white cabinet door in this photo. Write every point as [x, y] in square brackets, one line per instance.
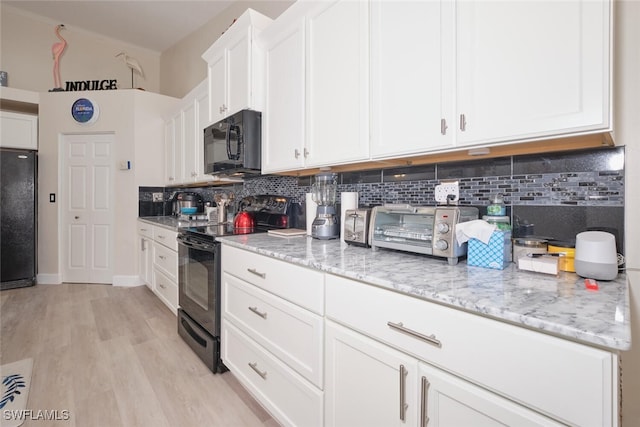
[189, 141]
[169, 149]
[530, 68]
[366, 382]
[337, 83]
[239, 73]
[202, 107]
[412, 76]
[283, 119]
[145, 260]
[18, 130]
[217, 74]
[451, 401]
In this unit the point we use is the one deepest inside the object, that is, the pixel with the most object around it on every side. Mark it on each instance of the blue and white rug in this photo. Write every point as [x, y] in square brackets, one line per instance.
[14, 391]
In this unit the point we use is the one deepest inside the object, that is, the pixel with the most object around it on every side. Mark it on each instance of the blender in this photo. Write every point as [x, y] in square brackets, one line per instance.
[323, 191]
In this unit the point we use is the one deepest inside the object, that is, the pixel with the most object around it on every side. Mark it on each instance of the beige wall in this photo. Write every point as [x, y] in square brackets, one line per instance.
[136, 119]
[627, 132]
[182, 67]
[25, 53]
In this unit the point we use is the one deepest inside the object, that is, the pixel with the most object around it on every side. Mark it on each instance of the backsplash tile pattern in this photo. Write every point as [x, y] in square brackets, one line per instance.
[580, 189]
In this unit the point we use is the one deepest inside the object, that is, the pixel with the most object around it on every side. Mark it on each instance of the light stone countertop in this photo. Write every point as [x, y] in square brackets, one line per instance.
[170, 222]
[558, 305]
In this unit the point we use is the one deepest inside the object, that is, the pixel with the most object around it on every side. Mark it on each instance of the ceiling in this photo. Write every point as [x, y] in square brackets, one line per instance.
[154, 25]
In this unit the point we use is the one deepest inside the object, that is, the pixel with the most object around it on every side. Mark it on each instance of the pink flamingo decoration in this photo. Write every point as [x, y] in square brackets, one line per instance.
[57, 49]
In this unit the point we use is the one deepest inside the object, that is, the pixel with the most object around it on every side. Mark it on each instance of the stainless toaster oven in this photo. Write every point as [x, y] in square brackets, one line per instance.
[428, 230]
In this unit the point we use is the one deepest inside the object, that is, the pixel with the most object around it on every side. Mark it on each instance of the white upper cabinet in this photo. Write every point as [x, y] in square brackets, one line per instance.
[531, 69]
[234, 67]
[283, 119]
[337, 83]
[412, 76]
[184, 138]
[316, 86]
[18, 130]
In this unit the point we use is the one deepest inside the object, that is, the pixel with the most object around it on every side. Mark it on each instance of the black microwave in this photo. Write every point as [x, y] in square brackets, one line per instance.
[233, 146]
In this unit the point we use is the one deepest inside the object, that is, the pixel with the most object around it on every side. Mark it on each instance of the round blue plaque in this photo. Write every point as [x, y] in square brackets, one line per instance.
[84, 111]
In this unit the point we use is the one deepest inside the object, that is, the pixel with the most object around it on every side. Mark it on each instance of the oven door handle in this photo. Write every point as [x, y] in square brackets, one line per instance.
[198, 246]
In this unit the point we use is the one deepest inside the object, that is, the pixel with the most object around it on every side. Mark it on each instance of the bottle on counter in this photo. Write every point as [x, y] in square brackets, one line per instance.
[496, 206]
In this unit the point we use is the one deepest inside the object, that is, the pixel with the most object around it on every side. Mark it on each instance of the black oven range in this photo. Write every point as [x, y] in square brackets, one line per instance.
[199, 271]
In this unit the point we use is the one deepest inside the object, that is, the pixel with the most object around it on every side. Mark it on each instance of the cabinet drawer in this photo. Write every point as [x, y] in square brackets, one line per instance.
[291, 333]
[291, 399]
[145, 229]
[166, 289]
[573, 383]
[166, 260]
[166, 237]
[297, 284]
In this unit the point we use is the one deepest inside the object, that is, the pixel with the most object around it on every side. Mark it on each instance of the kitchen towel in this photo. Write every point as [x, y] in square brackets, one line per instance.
[477, 228]
[348, 200]
[311, 209]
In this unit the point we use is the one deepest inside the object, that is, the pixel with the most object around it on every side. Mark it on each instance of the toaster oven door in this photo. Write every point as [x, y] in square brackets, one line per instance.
[407, 231]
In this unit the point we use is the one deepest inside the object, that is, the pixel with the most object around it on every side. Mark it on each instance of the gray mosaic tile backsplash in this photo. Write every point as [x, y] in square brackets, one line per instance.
[536, 188]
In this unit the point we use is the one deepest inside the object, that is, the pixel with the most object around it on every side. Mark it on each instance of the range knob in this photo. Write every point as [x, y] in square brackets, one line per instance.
[443, 228]
[442, 245]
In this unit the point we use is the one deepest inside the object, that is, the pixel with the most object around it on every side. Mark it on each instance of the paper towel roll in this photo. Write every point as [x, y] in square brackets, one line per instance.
[348, 200]
[311, 209]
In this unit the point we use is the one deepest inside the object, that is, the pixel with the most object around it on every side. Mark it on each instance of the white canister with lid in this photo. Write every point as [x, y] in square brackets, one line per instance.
[596, 255]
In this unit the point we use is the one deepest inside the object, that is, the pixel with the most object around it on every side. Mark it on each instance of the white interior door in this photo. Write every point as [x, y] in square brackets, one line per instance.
[86, 199]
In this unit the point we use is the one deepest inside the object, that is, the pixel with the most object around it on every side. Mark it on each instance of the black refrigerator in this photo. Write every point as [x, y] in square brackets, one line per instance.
[18, 170]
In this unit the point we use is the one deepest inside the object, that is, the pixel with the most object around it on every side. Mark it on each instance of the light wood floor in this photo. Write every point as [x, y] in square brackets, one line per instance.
[112, 357]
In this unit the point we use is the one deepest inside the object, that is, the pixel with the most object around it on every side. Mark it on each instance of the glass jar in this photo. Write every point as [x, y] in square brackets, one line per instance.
[501, 222]
[496, 206]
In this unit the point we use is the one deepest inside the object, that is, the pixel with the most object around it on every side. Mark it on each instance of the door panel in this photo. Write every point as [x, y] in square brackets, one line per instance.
[87, 212]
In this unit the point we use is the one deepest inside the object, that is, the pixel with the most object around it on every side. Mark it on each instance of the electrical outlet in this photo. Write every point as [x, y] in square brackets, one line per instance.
[447, 192]
[157, 197]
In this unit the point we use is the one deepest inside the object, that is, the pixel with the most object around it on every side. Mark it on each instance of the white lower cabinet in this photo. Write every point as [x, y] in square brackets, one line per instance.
[273, 334]
[372, 384]
[158, 262]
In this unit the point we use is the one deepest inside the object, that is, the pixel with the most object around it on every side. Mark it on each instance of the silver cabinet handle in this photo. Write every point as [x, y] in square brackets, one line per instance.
[431, 339]
[403, 403]
[259, 313]
[296, 153]
[143, 229]
[443, 126]
[162, 257]
[306, 153]
[254, 366]
[424, 394]
[257, 273]
[161, 285]
[463, 123]
[160, 236]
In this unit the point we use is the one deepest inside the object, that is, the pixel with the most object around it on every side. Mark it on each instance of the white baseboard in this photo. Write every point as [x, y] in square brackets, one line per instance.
[127, 281]
[49, 279]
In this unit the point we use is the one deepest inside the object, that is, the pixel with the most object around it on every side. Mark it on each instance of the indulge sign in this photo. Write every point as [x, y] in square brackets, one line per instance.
[91, 85]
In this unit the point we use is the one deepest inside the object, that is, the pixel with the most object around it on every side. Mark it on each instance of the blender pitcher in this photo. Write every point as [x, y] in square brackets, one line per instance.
[323, 191]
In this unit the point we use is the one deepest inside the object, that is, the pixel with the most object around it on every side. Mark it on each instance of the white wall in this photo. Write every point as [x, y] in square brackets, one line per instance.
[25, 53]
[136, 119]
[182, 67]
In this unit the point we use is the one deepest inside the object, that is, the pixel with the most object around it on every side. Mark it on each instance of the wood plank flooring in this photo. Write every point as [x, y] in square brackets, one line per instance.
[112, 357]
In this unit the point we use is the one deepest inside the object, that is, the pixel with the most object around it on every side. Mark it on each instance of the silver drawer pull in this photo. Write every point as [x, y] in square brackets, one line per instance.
[257, 273]
[431, 339]
[162, 257]
[162, 286]
[403, 403]
[161, 236]
[424, 408]
[143, 229]
[259, 313]
[254, 366]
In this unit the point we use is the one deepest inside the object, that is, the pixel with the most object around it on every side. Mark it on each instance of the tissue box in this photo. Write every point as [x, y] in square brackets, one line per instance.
[496, 254]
